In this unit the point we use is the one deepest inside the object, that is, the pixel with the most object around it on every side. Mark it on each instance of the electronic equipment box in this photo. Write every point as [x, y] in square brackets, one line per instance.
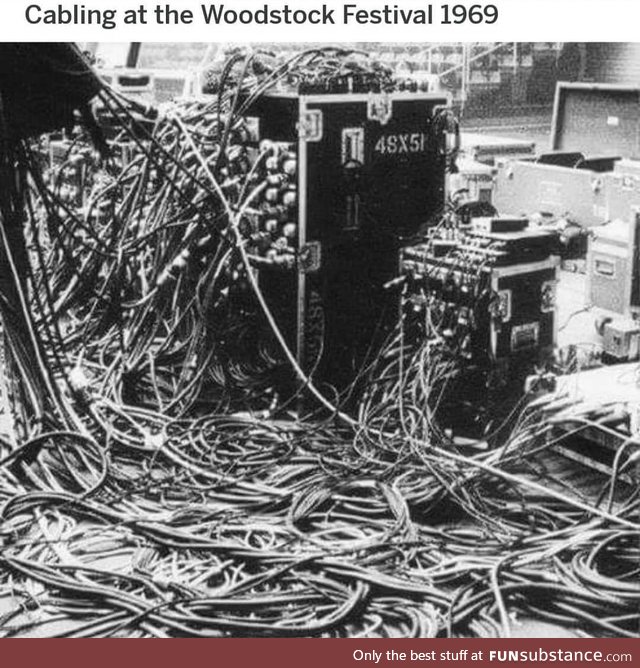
[490, 295]
[132, 82]
[594, 126]
[366, 172]
[476, 178]
[613, 266]
[489, 150]
[542, 186]
[621, 340]
[623, 190]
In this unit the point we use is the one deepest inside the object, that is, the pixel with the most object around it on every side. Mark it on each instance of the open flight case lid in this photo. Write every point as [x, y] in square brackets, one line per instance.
[596, 119]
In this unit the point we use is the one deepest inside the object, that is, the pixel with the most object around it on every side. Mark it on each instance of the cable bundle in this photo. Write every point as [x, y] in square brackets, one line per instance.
[127, 510]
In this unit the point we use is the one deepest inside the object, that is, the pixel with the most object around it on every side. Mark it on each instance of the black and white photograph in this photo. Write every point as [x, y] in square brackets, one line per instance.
[314, 340]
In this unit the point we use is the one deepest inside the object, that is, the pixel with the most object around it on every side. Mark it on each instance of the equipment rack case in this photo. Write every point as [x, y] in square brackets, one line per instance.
[371, 175]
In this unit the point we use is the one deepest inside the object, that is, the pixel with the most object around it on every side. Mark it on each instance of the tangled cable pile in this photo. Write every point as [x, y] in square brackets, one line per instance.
[231, 526]
[124, 513]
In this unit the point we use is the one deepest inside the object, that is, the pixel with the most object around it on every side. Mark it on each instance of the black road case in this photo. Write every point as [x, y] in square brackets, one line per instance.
[371, 174]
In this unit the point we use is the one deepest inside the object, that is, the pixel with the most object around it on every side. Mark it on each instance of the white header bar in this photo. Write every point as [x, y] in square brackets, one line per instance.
[311, 21]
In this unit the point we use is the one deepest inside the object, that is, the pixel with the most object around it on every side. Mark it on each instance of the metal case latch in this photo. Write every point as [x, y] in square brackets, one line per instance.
[310, 125]
[379, 108]
[310, 257]
[352, 145]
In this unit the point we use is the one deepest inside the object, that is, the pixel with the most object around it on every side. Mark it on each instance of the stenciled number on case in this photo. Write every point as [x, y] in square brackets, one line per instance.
[401, 143]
